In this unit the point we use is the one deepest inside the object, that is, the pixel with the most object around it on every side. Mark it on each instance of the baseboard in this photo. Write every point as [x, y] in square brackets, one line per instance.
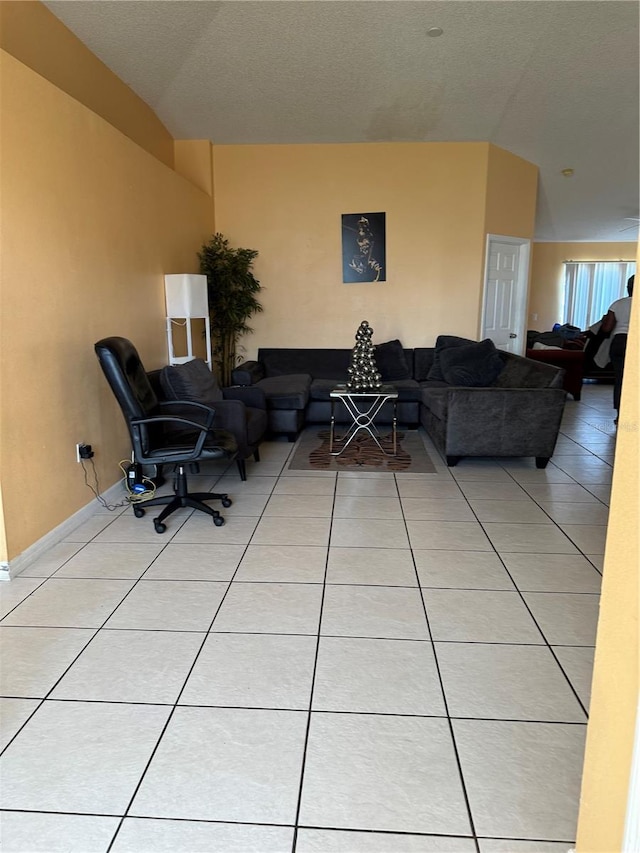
[12, 568]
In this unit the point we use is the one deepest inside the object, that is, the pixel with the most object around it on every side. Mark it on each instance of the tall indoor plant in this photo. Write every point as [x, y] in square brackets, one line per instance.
[232, 290]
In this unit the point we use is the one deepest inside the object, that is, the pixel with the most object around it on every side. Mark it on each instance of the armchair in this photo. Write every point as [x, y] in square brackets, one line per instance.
[242, 411]
[178, 432]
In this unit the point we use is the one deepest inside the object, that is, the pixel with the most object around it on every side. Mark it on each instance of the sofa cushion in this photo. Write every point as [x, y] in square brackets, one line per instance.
[408, 390]
[321, 388]
[444, 342]
[190, 381]
[391, 361]
[522, 372]
[471, 366]
[286, 392]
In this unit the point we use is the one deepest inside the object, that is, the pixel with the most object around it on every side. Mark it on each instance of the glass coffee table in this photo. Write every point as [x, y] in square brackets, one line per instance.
[363, 407]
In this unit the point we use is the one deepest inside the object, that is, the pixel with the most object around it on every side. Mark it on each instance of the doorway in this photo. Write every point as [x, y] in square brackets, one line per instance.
[504, 301]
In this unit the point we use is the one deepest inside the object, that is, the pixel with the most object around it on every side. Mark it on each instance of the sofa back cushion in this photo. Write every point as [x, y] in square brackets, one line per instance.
[318, 363]
[520, 372]
[191, 381]
[474, 365]
[391, 361]
[444, 342]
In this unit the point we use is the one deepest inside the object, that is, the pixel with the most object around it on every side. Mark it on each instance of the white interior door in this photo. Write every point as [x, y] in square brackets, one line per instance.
[505, 292]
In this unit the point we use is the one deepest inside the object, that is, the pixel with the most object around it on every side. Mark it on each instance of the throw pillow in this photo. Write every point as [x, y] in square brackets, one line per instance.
[391, 361]
[444, 342]
[191, 381]
[473, 366]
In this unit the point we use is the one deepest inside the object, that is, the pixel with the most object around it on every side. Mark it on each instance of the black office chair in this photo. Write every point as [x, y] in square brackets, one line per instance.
[177, 432]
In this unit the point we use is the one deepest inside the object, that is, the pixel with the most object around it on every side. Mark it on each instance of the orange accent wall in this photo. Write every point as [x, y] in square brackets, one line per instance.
[512, 188]
[33, 34]
[547, 275]
[616, 683]
[286, 201]
[91, 222]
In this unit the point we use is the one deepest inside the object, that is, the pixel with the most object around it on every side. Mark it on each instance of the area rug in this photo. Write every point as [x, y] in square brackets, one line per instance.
[362, 454]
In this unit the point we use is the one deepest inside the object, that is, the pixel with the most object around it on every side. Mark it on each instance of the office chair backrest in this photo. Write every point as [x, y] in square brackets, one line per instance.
[129, 382]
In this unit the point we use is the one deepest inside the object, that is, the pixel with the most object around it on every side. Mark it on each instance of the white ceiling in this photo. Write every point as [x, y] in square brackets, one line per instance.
[554, 81]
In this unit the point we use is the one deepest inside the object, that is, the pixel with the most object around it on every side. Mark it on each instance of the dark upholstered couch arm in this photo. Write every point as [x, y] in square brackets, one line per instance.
[246, 394]
[247, 373]
[503, 421]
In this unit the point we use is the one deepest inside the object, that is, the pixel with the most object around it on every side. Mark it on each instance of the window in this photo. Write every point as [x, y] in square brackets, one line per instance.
[590, 287]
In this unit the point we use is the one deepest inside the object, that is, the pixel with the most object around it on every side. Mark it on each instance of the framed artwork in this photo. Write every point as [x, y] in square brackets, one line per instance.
[363, 247]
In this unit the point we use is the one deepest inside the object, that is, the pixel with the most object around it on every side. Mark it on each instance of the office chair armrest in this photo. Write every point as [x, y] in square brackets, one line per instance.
[203, 429]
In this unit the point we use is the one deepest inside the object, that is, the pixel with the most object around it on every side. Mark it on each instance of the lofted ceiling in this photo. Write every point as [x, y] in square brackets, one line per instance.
[553, 81]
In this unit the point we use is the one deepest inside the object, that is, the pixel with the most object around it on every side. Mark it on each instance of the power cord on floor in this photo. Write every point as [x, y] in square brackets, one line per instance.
[132, 497]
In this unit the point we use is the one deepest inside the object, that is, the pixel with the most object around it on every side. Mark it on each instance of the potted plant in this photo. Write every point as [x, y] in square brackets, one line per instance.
[232, 289]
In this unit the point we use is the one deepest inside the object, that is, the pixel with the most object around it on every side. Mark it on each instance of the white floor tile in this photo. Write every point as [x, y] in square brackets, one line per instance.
[80, 757]
[196, 562]
[281, 531]
[436, 509]
[359, 506]
[502, 491]
[589, 539]
[271, 608]
[505, 682]
[577, 662]
[304, 485]
[131, 666]
[522, 779]
[144, 835]
[48, 563]
[283, 564]
[552, 572]
[368, 611]
[32, 832]
[170, 606]
[341, 841]
[377, 677]
[429, 488]
[367, 487]
[566, 513]
[33, 659]
[226, 764]
[448, 535]
[382, 773]
[373, 566]
[13, 714]
[566, 492]
[70, 603]
[501, 845]
[479, 616]
[462, 570]
[102, 560]
[253, 671]
[299, 506]
[369, 533]
[535, 538]
[565, 619]
[15, 591]
[236, 530]
[519, 512]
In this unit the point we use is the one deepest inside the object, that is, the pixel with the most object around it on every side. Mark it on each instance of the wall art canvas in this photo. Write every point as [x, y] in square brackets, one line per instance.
[363, 247]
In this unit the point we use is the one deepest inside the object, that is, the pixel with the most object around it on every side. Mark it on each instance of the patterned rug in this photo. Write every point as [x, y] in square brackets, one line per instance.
[362, 454]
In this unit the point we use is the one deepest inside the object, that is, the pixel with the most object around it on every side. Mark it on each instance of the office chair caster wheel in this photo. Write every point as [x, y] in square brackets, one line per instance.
[138, 511]
[159, 526]
[218, 520]
[226, 502]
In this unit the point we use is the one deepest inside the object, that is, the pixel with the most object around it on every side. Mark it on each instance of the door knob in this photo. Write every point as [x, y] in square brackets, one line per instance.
[513, 335]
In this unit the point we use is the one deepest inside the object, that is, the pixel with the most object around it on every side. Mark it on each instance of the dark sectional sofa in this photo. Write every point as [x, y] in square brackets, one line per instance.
[518, 413]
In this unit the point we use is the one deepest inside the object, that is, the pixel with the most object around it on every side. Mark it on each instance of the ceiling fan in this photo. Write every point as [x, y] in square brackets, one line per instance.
[634, 219]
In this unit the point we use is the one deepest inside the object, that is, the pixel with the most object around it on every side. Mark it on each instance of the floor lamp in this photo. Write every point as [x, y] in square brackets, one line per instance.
[186, 298]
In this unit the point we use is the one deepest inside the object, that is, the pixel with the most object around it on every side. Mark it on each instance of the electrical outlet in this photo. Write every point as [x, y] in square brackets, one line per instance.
[83, 451]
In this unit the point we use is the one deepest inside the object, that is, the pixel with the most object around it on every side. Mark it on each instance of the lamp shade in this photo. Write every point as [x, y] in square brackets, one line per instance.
[186, 295]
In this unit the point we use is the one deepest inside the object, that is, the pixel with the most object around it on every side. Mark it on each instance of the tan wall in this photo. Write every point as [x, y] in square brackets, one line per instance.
[512, 188]
[91, 222]
[614, 697]
[547, 275]
[33, 34]
[286, 202]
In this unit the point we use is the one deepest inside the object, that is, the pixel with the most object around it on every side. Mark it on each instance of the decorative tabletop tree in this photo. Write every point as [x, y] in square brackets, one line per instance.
[363, 373]
[232, 289]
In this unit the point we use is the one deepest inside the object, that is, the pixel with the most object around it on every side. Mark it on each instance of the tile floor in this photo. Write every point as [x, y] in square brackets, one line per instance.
[352, 664]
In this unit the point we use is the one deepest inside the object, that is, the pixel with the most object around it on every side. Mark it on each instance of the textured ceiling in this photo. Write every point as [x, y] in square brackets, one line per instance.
[554, 82]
